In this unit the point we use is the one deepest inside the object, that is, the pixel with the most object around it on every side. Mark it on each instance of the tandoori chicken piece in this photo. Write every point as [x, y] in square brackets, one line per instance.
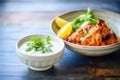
[110, 38]
[105, 30]
[75, 37]
[97, 35]
[94, 37]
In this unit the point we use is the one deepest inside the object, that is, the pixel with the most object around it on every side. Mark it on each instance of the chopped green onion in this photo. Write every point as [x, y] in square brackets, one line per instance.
[85, 32]
[84, 19]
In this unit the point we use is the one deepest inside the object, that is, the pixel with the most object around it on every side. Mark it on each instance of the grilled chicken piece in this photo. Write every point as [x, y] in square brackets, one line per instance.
[75, 37]
[105, 30]
[94, 37]
[98, 35]
[110, 38]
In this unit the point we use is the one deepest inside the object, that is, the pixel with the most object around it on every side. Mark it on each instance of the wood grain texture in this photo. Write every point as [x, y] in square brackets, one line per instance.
[72, 66]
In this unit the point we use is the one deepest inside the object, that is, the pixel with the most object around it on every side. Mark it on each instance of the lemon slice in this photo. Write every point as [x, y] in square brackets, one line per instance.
[65, 31]
[60, 22]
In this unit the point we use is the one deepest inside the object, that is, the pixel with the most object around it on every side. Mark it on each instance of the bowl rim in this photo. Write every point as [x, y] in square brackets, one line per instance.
[40, 55]
[64, 13]
[77, 10]
[85, 46]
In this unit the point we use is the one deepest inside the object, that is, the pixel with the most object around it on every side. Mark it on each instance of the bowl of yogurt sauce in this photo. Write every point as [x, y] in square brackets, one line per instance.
[40, 51]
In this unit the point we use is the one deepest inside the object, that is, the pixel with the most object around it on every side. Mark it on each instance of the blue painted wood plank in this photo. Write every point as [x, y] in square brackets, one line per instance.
[48, 6]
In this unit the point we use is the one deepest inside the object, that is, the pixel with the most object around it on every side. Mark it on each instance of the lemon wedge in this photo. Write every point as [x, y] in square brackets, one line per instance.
[60, 22]
[65, 31]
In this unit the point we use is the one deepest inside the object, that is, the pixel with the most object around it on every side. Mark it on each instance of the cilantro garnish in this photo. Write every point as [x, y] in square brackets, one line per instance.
[40, 44]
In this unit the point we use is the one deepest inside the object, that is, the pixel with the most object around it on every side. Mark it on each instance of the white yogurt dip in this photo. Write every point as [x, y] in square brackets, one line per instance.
[24, 46]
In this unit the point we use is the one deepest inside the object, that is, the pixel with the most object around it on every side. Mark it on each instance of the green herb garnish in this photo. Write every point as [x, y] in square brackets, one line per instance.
[40, 44]
[85, 32]
[84, 19]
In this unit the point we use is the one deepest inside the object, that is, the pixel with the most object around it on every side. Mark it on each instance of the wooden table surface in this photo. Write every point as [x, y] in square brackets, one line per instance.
[18, 22]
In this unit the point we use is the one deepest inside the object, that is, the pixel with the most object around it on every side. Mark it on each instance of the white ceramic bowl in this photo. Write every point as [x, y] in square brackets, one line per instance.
[42, 61]
[112, 18]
